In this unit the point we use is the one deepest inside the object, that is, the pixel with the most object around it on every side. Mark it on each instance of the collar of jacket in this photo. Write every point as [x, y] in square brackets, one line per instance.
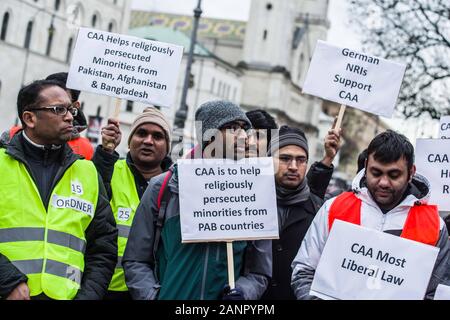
[419, 186]
[15, 149]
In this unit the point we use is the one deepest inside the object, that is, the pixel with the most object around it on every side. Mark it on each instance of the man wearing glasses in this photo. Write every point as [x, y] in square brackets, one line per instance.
[57, 231]
[297, 206]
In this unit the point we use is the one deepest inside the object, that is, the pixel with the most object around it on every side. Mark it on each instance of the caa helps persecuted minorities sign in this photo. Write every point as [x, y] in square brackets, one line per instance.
[354, 79]
[125, 67]
[234, 200]
[358, 263]
[433, 162]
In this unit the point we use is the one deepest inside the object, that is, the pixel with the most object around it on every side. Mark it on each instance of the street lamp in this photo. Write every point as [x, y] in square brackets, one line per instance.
[181, 114]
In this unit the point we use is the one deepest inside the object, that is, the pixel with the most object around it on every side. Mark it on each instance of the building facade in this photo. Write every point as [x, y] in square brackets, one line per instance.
[37, 39]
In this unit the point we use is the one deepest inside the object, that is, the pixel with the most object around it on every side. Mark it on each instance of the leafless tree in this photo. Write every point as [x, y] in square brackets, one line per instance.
[415, 32]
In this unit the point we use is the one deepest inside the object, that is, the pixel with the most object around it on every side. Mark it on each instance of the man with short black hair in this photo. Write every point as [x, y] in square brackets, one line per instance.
[56, 226]
[385, 195]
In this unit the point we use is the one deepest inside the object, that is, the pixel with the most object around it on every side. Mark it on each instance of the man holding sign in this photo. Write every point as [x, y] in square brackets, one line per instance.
[387, 196]
[194, 271]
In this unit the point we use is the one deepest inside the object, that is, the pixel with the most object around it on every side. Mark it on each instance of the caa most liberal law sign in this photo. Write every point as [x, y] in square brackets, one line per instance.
[354, 79]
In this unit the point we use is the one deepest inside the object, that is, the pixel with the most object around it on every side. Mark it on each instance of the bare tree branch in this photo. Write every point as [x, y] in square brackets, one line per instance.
[417, 33]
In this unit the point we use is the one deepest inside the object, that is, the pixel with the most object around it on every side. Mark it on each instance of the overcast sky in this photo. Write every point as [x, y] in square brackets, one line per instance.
[340, 33]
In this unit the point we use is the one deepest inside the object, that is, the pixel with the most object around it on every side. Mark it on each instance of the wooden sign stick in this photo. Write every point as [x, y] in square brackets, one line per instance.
[340, 117]
[110, 145]
[230, 264]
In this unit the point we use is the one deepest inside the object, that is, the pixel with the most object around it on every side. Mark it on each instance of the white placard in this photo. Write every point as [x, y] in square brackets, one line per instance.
[125, 67]
[442, 292]
[354, 79]
[358, 263]
[224, 200]
[433, 162]
[444, 127]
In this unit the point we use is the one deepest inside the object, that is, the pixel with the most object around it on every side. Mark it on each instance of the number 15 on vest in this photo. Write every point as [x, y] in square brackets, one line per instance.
[359, 263]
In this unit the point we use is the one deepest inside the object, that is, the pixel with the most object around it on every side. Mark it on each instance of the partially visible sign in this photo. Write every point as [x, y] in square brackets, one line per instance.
[442, 292]
[444, 128]
[358, 263]
[125, 67]
[93, 130]
[225, 200]
[354, 79]
[433, 162]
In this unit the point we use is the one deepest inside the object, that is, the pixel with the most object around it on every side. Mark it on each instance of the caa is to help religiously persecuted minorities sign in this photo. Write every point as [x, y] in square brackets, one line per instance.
[358, 263]
[433, 162]
[444, 128]
[233, 200]
[355, 79]
[125, 67]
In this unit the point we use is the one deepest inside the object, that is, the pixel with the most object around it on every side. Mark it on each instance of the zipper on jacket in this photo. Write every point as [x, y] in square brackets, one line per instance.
[205, 271]
[383, 221]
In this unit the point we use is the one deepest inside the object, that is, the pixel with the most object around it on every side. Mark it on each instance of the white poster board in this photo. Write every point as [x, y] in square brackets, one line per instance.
[125, 67]
[224, 200]
[358, 263]
[433, 162]
[444, 127]
[354, 79]
[442, 292]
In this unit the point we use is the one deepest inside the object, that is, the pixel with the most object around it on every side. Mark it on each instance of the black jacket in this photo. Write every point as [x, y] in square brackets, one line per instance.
[104, 162]
[294, 229]
[319, 176]
[101, 235]
[285, 249]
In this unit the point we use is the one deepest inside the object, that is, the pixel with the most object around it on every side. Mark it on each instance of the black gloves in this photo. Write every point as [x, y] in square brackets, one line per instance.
[232, 294]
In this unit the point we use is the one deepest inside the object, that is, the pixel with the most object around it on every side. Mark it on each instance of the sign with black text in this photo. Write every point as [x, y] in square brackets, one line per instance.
[359, 263]
[125, 67]
[444, 128]
[225, 200]
[433, 162]
[354, 79]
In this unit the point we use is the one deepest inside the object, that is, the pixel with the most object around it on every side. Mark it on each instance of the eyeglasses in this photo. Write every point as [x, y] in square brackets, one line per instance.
[60, 110]
[235, 126]
[288, 159]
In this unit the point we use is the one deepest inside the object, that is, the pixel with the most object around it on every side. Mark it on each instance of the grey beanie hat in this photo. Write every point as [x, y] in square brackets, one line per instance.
[288, 136]
[216, 114]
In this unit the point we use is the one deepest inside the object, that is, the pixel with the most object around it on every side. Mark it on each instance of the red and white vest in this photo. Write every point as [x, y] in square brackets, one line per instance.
[422, 223]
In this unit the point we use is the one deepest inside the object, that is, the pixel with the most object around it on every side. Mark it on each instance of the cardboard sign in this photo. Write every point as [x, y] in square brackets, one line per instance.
[442, 292]
[125, 67]
[358, 263]
[224, 200]
[433, 162]
[354, 79]
[444, 128]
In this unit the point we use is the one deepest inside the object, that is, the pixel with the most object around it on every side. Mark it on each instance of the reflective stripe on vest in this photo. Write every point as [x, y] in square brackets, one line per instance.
[124, 203]
[47, 245]
[422, 223]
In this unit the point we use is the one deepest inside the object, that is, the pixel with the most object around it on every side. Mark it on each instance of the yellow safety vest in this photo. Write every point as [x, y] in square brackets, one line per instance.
[47, 244]
[124, 203]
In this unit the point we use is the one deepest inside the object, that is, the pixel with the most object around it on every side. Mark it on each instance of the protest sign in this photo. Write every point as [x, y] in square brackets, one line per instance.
[125, 67]
[358, 263]
[355, 79]
[442, 292]
[226, 200]
[433, 162]
[444, 128]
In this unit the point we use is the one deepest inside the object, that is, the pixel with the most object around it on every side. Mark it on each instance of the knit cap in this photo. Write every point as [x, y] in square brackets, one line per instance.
[152, 115]
[216, 114]
[288, 136]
